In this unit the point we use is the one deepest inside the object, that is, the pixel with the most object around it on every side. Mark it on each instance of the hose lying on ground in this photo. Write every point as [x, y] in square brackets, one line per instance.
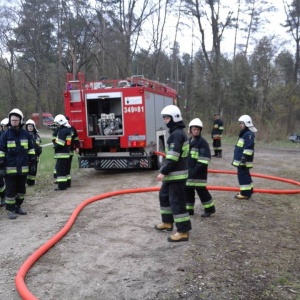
[21, 274]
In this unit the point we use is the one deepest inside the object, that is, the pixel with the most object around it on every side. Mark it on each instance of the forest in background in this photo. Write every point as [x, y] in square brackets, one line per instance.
[42, 40]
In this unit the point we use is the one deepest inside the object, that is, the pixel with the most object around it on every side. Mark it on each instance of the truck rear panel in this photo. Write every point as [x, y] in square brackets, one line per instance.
[118, 126]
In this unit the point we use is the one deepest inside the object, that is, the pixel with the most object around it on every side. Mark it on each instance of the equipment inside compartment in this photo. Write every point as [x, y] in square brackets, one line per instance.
[105, 117]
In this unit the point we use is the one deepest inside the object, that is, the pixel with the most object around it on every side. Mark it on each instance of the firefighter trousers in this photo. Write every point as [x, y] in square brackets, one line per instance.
[15, 191]
[245, 181]
[61, 169]
[172, 205]
[69, 170]
[217, 145]
[205, 198]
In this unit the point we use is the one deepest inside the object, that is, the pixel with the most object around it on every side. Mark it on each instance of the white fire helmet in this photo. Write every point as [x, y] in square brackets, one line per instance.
[17, 112]
[248, 122]
[31, 122]
[61, 120]
[196, 122]
[172, 111]
[5, 122]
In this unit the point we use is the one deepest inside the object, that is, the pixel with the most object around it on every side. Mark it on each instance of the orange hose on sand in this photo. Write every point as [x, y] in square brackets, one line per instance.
[20, 276]
[19, 279]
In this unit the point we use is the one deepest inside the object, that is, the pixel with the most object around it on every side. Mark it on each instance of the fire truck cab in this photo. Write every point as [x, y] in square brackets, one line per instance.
[118, 121]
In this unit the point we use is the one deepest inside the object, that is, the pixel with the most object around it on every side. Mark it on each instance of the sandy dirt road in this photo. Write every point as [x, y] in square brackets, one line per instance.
[248, 250]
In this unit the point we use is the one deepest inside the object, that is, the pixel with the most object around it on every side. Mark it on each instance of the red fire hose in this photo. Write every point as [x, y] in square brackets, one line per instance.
[21, 274]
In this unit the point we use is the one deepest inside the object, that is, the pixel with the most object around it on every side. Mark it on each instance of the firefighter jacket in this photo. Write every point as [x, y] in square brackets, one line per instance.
[217, 129]
[62, 142]
[244, 149]
[198, 160]
[37, 141]
[177, 148]
[16, 151]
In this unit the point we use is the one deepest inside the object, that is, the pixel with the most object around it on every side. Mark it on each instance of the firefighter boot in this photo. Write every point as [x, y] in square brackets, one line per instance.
[220, 154]
[164, 226]
[206, 214]
[179, 237]
[20, 211]
[12, 215]
[241, 197]
[2, 202]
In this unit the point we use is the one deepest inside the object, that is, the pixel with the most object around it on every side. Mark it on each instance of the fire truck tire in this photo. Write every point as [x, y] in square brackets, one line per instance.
[157, 160]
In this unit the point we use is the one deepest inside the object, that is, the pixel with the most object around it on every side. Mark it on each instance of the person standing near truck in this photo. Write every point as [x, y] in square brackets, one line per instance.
[16, 154]
[173, 176]
[62, 142]
[75, 144]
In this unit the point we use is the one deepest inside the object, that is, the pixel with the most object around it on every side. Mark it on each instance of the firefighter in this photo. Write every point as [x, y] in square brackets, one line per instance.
[216, 135]
[244, 155]
[74, 147]
[37, 141]
[173, 175]
[198, 160]
[4, 127]
[62, 143]
[16, 155]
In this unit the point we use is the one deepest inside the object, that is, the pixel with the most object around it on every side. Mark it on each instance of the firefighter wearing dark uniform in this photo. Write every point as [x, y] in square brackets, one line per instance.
[198, 160]
[74, 147]
[216, 135]
[16, 154]
[37, 141]
[244, 155]
[62, 143]
[173, 176]
[4, 127]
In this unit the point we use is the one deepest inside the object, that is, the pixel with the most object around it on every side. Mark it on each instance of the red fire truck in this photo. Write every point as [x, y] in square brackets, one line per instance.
[118, 121]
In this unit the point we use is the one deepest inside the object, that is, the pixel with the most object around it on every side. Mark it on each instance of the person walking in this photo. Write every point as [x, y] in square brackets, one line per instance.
[75, 144]
[198, 160]
[173, 175]
[62, 143]
[16, 154]
[244, 155]
[216, 135]
[4, 127]
[37, 141]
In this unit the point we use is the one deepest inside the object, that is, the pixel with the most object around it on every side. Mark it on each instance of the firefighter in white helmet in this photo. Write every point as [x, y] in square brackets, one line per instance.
[244, 155]
[75, 144]
[173, 175]
[16, 155]
[198, 161]
[62, 143]
[37, 141]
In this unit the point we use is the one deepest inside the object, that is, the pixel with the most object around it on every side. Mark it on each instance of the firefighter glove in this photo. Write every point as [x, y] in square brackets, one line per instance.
[243, 161]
